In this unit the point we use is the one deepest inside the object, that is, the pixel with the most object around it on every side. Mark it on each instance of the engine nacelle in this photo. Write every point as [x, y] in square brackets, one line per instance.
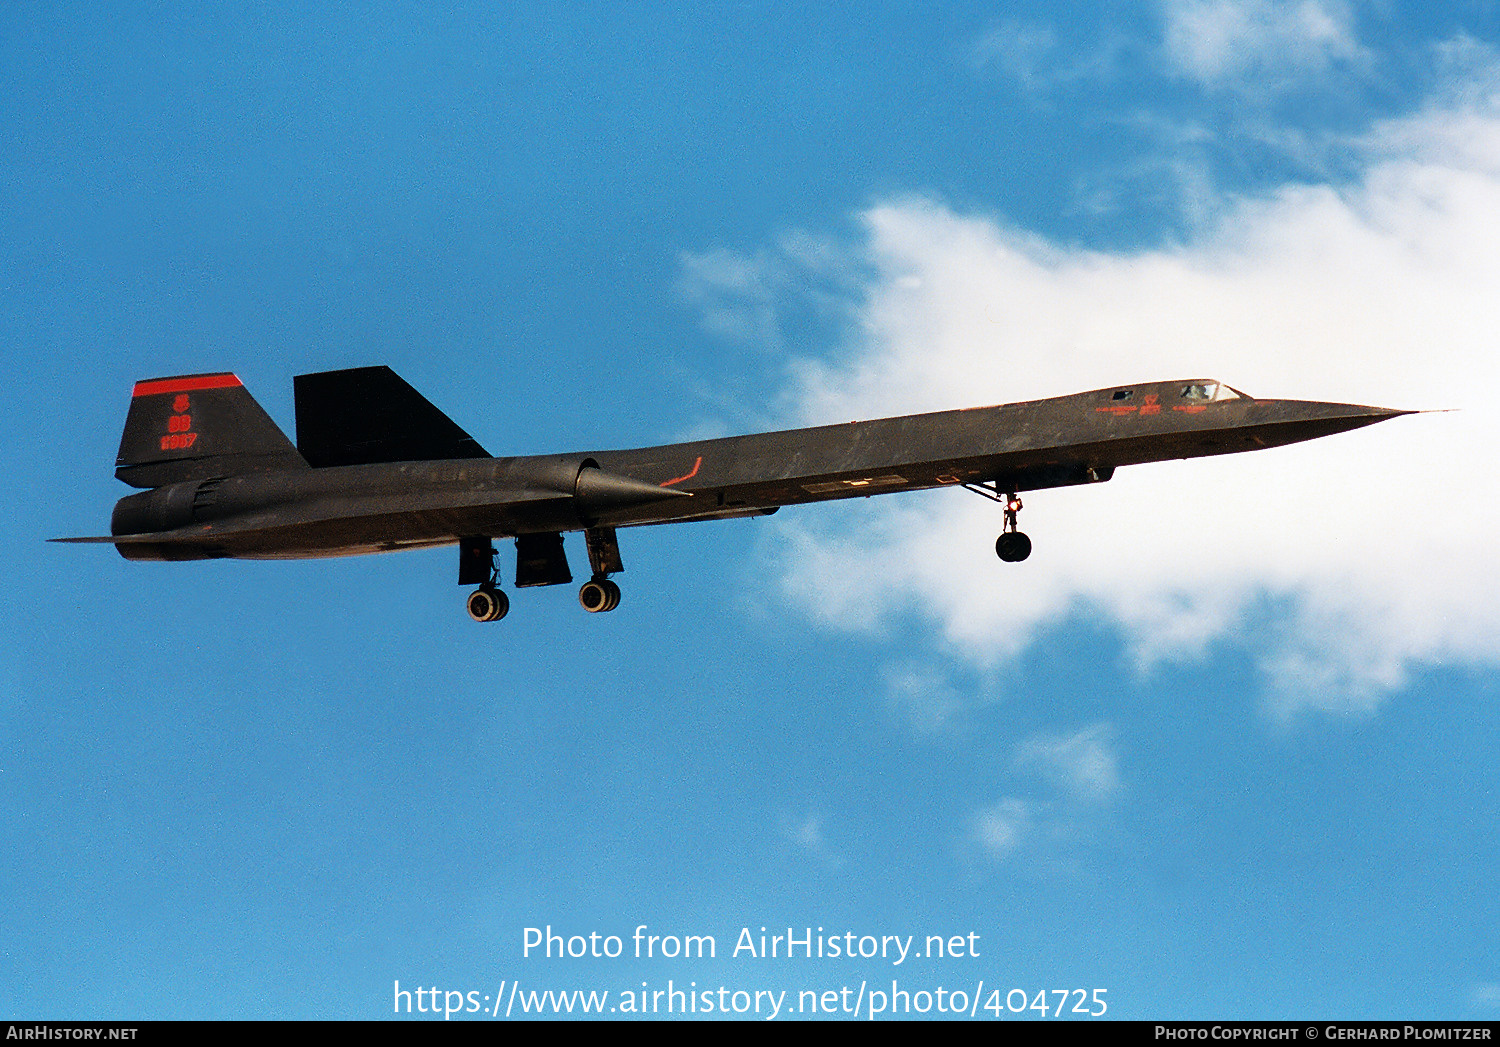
[166, 508]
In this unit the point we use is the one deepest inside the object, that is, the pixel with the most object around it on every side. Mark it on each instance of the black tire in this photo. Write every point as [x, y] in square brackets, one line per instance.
[599, 595]
[594, 597]
[488, 605]
[1013, 547]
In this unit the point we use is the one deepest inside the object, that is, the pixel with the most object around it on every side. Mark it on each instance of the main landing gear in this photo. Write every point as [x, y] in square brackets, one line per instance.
[477, 564]
[1012, 546]
[540, 560]
[599, 594]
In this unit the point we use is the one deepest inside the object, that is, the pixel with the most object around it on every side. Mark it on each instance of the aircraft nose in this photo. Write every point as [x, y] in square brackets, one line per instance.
[1371, 414]
[1290, 421]
[1316, 409]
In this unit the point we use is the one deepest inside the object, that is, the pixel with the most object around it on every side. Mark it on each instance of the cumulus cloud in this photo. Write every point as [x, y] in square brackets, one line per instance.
[1082, 764]
[1029, 55]
[1080, 777]
[1229, 42]
[1000, 829]
[1337, 565]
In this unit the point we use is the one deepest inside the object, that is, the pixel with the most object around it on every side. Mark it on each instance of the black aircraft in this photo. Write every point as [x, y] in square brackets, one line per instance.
[376, 467]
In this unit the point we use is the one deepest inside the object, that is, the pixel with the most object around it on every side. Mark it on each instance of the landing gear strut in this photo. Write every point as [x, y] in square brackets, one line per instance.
[599, 594]
[539, 561]
[1012, 546]
[477, 564]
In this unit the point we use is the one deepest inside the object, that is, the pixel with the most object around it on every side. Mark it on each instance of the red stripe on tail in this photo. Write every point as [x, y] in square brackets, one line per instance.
[185, 385]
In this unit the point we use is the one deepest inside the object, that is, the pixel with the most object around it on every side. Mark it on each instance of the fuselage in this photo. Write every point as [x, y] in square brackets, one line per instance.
[347, 510]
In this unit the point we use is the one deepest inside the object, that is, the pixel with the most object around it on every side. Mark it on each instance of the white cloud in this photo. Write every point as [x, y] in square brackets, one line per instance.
[1000, 829]
[1486, 997]
[737, 295]
[1082, 764]
[1336, 565]
[807, 834]
[746, 299]
[924, 698]
[1262, 43]
[1029, 55]
[1021, 50]
[1081, 775]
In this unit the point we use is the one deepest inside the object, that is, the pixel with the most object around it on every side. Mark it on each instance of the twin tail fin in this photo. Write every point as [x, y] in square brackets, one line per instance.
[201, 426]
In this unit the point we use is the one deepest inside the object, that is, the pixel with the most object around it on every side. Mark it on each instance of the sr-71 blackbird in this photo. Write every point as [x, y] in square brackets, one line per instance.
[376, 467]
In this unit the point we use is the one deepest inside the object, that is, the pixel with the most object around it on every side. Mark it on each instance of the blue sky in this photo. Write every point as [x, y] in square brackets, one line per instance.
[1223, 747]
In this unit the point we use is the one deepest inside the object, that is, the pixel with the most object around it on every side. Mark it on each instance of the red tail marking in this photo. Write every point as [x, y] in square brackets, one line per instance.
[185, 385]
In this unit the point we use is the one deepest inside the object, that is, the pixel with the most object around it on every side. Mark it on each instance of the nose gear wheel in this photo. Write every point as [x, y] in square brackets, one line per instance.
[1012, 546]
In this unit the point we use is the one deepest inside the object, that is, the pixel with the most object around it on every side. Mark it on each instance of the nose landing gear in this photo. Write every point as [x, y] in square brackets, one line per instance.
[1012, 546]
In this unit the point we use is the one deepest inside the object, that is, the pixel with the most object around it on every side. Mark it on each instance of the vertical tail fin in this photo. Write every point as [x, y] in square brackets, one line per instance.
[370, 414]
[197, 426]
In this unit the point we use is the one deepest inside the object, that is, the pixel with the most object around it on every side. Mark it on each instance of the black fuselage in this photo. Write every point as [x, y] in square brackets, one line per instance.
[350, 509]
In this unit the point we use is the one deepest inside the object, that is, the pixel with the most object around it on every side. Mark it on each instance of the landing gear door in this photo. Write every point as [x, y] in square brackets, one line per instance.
[540, 560]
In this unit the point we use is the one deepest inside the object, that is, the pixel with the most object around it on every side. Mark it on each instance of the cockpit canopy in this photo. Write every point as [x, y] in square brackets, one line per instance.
[1204, 392]
[1197, 391]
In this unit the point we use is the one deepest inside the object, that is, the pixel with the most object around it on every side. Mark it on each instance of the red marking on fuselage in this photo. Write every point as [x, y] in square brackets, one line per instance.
[185, 385]
[1149, 405]
[689, 476]
[1191, 408]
